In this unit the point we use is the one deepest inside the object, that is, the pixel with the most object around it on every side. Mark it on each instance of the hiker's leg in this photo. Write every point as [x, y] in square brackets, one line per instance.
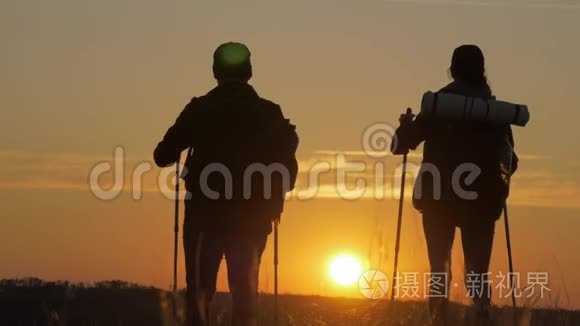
[439, 235]
[243, 254]
[203, 254]
[477, 240]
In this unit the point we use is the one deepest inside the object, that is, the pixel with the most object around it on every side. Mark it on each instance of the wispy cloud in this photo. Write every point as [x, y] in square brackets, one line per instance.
[542, 181]
[51, 171]
[359, 153]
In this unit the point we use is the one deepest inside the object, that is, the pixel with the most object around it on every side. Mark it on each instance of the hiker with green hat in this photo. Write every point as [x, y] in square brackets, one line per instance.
[240, 164]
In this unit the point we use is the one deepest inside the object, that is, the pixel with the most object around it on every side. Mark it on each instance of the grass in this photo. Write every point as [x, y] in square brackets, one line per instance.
[34, 302]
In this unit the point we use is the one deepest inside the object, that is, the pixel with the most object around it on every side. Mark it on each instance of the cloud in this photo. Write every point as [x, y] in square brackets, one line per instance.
[56, 171]
[543, 181]
[372, 155]
[540, 181]
[41, 185]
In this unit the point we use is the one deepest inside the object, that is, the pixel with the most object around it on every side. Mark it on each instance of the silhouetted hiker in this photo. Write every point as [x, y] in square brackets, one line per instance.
[233, 135]
[447, 146]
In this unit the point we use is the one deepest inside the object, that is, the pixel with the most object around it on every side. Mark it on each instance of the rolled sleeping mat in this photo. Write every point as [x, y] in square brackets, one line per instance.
[458, 107]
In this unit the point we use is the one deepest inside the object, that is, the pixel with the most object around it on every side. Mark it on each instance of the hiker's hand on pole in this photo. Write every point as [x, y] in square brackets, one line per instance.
[406, 119]
[398, 146]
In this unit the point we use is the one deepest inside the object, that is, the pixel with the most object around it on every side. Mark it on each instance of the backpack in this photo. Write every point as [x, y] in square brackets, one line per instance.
[249, 137]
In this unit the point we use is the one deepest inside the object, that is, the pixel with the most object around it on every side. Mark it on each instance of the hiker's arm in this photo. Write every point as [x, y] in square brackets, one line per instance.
[515, 158]
[409, 135]
[176, 139]
[285, 149]
[292, 166]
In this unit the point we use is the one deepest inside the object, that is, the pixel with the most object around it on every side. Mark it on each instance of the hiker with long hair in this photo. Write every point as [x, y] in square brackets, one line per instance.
[478, 148]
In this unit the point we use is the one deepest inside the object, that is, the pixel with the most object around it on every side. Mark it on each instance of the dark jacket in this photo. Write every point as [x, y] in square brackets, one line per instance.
[449, 145]
[231, 128]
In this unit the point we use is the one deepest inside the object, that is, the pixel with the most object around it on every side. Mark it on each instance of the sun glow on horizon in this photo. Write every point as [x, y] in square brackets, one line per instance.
[345, 269]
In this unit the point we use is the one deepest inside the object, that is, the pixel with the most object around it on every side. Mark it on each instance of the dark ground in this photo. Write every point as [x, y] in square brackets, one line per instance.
[34, 302]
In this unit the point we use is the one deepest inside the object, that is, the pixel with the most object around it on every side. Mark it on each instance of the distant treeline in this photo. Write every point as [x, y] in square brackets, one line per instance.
[33, 282]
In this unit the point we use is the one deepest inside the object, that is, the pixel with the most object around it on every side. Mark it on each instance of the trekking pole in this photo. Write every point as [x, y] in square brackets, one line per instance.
[403, 119]
[399, 220]
[276, 222]
[509, 250]
[175, 239]
[507, 233]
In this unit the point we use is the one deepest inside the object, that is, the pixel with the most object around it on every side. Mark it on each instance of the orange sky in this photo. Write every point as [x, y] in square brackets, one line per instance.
[79, 79]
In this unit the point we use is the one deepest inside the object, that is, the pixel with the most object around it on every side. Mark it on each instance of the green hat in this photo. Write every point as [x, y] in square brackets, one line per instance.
[232, 61]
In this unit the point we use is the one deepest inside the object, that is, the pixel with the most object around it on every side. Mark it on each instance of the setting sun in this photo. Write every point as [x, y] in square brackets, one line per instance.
[345, 270]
